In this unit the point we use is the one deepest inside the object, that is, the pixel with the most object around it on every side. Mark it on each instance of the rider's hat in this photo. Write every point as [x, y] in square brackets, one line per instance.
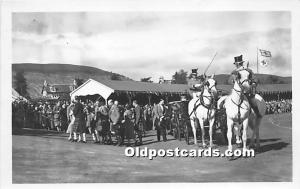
[194, 71]
[183, 98]
[238, 60]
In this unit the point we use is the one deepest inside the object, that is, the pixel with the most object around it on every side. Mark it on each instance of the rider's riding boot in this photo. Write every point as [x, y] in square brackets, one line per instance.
[254, 107]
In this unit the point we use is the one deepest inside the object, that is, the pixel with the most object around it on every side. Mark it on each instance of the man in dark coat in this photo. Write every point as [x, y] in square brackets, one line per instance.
[138, 124]
[79, 124]
[160, 122]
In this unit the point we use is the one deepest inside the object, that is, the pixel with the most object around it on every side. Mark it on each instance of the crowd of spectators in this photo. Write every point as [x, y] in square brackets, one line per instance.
[279, 106]
[60, 117]
[79, 118]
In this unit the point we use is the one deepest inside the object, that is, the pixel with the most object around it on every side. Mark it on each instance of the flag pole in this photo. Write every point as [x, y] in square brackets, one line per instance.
[257, 59]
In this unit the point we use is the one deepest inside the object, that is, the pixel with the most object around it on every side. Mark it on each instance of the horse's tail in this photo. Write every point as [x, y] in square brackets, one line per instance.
[221, 102]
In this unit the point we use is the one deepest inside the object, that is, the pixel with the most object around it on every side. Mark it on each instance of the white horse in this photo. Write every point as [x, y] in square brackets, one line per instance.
[201, 107]
[238, 109]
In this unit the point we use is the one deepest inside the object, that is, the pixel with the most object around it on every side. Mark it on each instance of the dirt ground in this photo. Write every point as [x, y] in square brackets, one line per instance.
[40, 156]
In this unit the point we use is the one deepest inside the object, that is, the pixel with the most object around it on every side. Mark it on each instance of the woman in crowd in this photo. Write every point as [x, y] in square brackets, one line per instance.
[63, 118]
[49, 114]
[89, 117]
[56, 116]
[102, 123]
[71, 118]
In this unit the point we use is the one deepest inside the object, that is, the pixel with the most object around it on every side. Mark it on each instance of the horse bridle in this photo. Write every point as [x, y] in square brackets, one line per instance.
[202, 101]
[239, 105]
[245, 80]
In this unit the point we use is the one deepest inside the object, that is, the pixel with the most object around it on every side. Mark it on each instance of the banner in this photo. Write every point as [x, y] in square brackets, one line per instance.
[264, 57]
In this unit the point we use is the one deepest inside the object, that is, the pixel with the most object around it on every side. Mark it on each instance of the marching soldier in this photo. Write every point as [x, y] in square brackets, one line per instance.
[239, 63]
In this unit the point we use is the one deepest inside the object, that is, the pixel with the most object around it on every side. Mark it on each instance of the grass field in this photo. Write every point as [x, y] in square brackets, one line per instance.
[47, 157]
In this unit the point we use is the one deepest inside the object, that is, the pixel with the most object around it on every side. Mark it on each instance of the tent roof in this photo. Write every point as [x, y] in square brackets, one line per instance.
[137, 86]
[106, 87]
[15, 94]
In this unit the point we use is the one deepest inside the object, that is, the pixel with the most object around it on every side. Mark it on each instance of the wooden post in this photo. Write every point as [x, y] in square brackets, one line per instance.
[149, 98]
[257, 59]
[129, 98]
[167, 98]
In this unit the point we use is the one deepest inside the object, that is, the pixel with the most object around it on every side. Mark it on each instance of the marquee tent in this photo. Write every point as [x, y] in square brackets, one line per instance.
[17, 96]
[106, 87]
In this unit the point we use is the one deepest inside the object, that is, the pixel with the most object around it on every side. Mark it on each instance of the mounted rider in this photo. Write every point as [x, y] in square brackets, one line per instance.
[238, 62]
[196, 83]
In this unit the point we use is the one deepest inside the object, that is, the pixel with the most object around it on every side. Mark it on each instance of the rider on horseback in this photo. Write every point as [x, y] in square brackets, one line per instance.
[196, 83]
[238, 62]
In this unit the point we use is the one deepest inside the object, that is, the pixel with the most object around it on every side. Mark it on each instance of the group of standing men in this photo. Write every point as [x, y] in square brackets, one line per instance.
[105, 121]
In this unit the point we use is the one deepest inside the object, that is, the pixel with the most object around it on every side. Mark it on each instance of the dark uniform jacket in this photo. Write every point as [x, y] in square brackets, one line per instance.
[137, 114]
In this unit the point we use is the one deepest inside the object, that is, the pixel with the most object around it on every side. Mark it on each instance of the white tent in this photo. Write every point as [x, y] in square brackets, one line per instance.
[17, 96]
[92, 87]
[106, 87]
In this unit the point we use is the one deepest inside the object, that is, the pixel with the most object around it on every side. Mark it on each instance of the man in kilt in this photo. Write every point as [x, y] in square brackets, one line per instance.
[138, 122]
[79, 123]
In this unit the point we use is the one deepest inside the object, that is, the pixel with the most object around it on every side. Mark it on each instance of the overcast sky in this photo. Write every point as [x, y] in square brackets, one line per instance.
[153, 44]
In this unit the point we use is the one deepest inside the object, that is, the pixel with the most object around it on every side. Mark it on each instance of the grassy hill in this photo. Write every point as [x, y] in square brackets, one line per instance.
[36, 74]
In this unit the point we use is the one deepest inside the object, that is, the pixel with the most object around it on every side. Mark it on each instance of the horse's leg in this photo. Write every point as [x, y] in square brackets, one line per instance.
[257, 133]
[253, 128]
[244, 137]
[201, 122]
[211, 124]
[237, 134]
[229, 133]
[194, 130]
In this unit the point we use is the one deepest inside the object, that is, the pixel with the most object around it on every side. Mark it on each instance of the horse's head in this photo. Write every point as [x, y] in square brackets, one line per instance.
[210, 85]
[243, 79]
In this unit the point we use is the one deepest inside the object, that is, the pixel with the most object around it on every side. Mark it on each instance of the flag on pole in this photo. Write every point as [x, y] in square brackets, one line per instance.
[265, 57]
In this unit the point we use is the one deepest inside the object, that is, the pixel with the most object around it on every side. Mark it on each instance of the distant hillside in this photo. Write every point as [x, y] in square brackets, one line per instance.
[263, 79]
[36, 74]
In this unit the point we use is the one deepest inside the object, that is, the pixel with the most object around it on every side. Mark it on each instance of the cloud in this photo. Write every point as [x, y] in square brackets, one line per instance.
[142, 44]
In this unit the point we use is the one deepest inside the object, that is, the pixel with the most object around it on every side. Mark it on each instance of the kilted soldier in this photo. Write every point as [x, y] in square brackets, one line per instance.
[138, 122]
[160, 121]
[102, 122]
[79, 123]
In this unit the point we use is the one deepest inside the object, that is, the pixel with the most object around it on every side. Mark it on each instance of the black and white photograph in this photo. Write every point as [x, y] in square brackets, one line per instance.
[150, 96]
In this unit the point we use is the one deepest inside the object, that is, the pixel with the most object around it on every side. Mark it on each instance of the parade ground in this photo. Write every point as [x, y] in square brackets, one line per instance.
[40, 156]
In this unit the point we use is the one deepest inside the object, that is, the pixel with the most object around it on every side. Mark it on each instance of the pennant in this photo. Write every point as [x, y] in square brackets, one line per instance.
[265, 53]
[265, 57]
